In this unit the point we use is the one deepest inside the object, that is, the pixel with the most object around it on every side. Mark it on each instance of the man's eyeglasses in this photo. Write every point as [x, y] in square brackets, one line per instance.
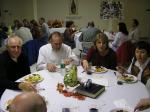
[13, 47]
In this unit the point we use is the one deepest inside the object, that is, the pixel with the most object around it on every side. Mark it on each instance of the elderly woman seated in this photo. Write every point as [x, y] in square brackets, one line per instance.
[140, 65]
[100, 54]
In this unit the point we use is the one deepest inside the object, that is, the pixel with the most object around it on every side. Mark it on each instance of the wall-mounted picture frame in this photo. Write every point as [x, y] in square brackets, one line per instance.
[111, 10]
[73, 7]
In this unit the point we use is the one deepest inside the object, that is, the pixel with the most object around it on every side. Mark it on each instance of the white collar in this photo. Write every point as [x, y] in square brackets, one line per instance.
[143, 65]
[14, 59]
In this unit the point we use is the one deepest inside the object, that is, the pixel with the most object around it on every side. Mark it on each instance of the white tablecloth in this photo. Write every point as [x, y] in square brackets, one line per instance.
[130, 94]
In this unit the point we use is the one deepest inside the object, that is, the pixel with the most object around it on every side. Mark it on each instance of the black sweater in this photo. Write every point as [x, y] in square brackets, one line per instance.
[10, 71]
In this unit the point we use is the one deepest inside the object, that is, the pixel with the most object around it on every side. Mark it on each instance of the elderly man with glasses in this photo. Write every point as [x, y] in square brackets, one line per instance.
[14, 65]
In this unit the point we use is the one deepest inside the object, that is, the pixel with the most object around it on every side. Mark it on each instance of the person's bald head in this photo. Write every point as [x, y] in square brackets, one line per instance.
[28, 102]
[56, 40]
[14, 45]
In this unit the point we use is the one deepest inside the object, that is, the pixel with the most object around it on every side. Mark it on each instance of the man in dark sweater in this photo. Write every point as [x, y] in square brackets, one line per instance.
[14, 65]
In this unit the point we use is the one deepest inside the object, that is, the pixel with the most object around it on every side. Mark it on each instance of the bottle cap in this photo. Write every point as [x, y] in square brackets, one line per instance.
[62, 65]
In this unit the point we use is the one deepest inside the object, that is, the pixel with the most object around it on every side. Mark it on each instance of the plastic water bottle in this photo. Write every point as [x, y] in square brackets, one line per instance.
[62, 66]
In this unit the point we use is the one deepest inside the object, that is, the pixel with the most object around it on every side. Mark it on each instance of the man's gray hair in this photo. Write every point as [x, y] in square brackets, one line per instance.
[15, 38]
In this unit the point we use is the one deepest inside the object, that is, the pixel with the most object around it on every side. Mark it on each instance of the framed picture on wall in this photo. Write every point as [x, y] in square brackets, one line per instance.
[111, 10]
[73, 7]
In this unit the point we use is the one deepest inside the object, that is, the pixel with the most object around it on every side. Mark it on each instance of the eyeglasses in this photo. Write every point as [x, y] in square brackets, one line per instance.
[13, 47]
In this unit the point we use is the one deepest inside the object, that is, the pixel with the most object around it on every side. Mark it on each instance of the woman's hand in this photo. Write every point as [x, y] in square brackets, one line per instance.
[143, 104]
[121, 69]
[85, 65]
[147, 72]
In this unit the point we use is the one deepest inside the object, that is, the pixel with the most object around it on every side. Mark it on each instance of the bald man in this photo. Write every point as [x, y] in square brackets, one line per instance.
[52, 53]
[13, 65]
[28, 102]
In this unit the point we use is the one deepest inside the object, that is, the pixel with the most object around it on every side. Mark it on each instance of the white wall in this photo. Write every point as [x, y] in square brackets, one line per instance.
[87, 10]
[137, 9]
[16, 9]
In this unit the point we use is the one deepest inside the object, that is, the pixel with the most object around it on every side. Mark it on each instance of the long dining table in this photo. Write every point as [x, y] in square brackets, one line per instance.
[115, 96]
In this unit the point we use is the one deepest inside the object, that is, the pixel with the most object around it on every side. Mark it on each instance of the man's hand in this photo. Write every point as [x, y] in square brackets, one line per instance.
[51, 67]
[67, 61]
[27, 86]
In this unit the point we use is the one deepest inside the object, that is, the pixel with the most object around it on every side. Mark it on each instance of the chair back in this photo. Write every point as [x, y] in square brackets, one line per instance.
[125, 53]
[31, 49]
[148, 85]
[85, 48]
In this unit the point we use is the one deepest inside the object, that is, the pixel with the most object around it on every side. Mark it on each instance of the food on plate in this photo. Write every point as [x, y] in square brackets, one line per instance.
[34, 78]
[100, 69]
[127, 78]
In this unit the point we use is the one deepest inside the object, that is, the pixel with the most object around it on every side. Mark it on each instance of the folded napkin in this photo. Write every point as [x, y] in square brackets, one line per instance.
[101, 81]
[122, 103]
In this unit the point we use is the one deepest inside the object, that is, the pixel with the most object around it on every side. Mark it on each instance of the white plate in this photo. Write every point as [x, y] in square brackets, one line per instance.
[128, 78]
[103, 69]
[119, 110]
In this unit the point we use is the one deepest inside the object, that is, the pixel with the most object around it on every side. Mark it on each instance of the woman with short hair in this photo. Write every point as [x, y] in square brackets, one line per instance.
[100, 54]
[140, 65]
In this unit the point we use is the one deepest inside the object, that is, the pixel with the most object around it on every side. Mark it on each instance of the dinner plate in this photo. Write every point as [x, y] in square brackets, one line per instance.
[121, 110]
[34, 78]
[98, 70]
[128, 78]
